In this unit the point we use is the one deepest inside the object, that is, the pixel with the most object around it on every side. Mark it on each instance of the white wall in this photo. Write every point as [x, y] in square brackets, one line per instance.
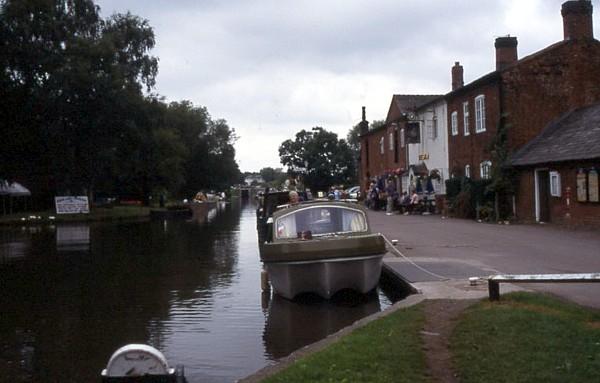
[434, 147]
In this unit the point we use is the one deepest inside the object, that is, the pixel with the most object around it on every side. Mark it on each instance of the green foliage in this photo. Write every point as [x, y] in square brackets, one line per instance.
[503, 174]
[527, 338]
[453, 187]
[386, 350]
[269, 174]
[273, 177]
[319, 157]
[465, 195]
[75, 119]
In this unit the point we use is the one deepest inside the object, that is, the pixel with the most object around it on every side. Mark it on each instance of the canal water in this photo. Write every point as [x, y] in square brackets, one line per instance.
[70, 295]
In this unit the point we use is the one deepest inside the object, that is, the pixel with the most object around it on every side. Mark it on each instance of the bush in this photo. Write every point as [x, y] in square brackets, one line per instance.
[453, 187]
[486, 212]
[461, 206]
[465, 195]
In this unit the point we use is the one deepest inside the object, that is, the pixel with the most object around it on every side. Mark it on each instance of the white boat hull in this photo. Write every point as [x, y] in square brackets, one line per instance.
[325, 277]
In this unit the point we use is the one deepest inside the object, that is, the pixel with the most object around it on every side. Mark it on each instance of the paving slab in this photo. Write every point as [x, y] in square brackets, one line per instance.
[458, 249]
[436, 270]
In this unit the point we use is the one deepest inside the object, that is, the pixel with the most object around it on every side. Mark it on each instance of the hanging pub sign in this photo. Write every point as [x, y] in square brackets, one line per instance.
[581, 186]
[413, 133]
[593, 186]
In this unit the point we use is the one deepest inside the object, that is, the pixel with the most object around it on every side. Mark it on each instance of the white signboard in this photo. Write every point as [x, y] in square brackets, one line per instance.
[72, 205]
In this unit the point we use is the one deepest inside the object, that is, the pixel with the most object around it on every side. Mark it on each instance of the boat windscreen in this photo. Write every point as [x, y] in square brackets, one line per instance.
[319, 221]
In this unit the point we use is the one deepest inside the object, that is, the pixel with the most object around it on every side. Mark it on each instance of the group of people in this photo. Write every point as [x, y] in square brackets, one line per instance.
[389, 198]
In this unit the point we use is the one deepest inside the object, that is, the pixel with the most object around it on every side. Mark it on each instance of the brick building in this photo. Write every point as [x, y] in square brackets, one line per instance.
[385, 150]
[559, 169]
[529, 94]
[528, 97]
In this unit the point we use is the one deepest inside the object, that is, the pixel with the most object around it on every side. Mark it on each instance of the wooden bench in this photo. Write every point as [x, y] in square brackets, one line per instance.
[495, 280]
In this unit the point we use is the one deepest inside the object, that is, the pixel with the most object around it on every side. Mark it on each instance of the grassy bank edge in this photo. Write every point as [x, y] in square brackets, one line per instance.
[527, 337]
[96, 214]
[267, 374]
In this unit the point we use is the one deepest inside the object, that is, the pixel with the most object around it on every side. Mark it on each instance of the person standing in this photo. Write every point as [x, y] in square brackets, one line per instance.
[414, 201]
[390, 190]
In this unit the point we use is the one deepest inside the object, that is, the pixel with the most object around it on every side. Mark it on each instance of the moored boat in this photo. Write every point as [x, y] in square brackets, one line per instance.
[322, 247]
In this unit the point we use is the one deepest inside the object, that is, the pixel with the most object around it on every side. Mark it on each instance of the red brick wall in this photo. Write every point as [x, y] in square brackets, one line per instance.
[378, 163]
[525, 196]
[548, 84]
[472, 149]
[579, 213]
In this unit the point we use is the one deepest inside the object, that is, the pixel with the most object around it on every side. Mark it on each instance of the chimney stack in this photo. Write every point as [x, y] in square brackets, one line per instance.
[364, 124]
[506, 51]
[457, 76]
[577, 19]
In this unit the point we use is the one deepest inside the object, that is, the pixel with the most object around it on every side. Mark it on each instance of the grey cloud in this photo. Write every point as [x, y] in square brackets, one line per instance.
[274, 67]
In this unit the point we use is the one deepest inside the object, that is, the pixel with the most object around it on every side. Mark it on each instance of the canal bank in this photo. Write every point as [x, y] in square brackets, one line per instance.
[116, 213]
[398, 272]
[527, 337]
[437, 271]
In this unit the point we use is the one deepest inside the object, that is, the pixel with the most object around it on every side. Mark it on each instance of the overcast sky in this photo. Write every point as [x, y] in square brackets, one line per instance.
[274, 67]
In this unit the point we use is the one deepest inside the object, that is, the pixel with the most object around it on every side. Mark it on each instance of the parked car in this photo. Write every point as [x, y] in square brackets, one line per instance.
[353, 192]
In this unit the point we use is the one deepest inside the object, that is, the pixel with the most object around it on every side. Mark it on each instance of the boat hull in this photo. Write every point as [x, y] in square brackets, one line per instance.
[325, 277]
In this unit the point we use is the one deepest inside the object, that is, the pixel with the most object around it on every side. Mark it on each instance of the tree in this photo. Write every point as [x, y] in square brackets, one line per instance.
[267, 174]
[75, 116]
[70, 76]
[319, 157]
[273, 177]
[503, 175]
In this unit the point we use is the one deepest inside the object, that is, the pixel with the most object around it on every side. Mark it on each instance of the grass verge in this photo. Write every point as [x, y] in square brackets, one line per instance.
[386, 350]
[96, 214]
[527, 338]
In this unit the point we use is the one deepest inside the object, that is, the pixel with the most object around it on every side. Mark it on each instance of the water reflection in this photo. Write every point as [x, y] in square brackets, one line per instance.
[73, 237]
[191, 290]
[291, 325]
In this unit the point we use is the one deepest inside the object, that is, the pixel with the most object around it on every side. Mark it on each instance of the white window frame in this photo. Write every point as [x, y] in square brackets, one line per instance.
[468, 171]
[485, 170]
[402, 143]
[432, 129]
[382, 145]
[454, 123]
[480, 113]
[466, 118]
[555, 188]
[391, 139]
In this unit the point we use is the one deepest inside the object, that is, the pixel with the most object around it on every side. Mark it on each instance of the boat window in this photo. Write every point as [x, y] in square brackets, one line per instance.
[320, 220]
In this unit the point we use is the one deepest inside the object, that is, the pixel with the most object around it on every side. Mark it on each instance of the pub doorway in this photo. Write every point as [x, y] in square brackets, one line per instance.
[542, 195]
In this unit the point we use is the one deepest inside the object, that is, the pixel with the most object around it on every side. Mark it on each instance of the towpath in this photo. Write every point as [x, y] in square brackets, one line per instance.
[459, 249]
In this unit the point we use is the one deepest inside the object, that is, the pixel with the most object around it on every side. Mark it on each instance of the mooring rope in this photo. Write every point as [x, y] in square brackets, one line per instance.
[441, 277]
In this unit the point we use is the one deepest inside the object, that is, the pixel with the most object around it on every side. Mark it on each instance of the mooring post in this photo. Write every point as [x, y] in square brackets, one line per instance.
[494, 290]
[264, 281]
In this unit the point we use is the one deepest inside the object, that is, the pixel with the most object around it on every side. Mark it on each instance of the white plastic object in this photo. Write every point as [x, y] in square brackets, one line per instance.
[137, 360]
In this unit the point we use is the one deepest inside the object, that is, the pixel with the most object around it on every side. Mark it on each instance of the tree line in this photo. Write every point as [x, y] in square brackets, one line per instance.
[79, 115]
